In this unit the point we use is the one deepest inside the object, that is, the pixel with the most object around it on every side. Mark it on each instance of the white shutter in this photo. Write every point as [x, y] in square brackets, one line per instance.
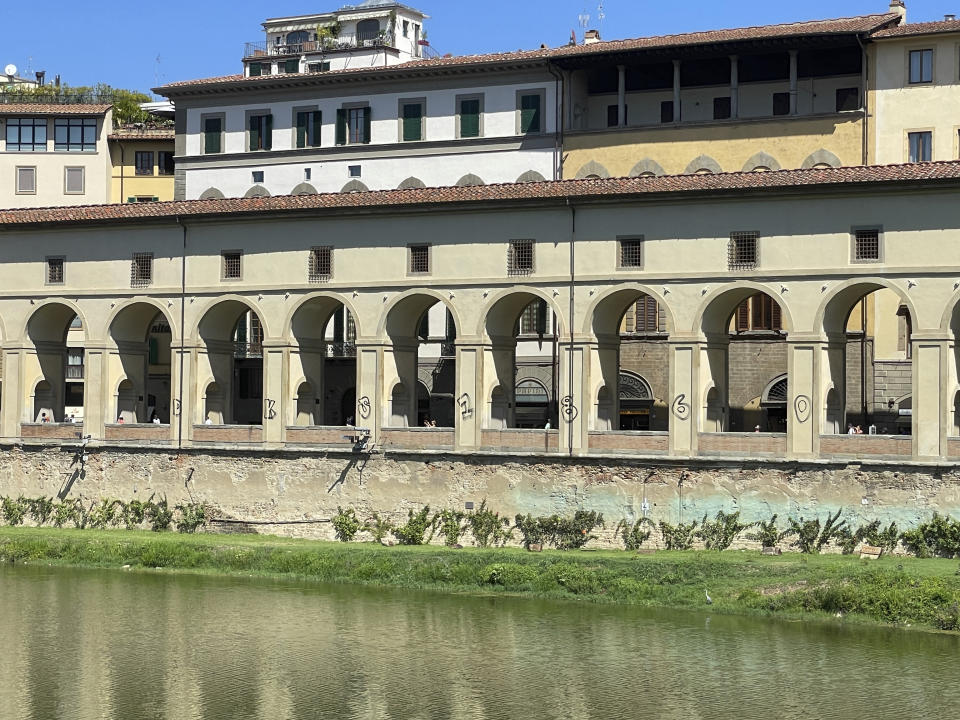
[74, 181]
[27, 180]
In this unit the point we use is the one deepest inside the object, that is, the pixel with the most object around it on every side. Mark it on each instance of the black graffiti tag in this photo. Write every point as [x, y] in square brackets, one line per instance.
[801, 407]
[269, 408]
[569, 409]
[680, 408]
[363, 407]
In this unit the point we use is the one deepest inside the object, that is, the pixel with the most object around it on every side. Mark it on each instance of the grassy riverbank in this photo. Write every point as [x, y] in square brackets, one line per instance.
[893, 590]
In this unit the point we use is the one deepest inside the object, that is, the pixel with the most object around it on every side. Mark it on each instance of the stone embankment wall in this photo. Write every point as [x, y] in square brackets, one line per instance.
[293, 493]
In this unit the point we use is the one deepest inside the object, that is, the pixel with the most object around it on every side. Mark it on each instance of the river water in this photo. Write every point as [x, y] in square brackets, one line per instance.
[85, 645]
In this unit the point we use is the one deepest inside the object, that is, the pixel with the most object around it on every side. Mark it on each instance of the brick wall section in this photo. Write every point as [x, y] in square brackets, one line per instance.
[50, 431]
[417, 438]
[531, 440]
[753, 362]
[650, 359]
[228, 433]
[856, 446]
[320, 436]
[953, 447]
[140, 433]
[753, 444]
[629, 442]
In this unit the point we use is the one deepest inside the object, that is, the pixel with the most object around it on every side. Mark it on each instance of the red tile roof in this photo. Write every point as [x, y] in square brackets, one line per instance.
[52, 109]
[926, 28]
[611, 188]
[862, 24]
[165, 133]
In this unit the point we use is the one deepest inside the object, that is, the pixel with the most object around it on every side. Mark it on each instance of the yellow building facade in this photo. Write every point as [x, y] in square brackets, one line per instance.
[142, 162]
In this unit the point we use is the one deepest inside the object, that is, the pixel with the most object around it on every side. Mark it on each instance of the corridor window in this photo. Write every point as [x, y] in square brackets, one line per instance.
[164, 163]
[742, 251]
[26, 135]
[848, 99]
[260, 132]
[721, 108]
[867, 245]
[920, 146]
[212, 135]
[520, 257]
[419, 259]
[758, 313]
[781, 103]
[469, 112]
[353, 126]
[666, 111]
[55, 271]
[232, 265]
[631, 253]
[321, 263]
[141, 270]
[529, 113]
[921, 66]
[143, 159]
[75, 134]
[309, 128]
[533, 319]
[411, 120]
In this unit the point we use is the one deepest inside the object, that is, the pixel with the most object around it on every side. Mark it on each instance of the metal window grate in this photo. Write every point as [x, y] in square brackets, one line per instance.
[55, 271]
[742, 251]
[141, 270]
[520, 257]
[866, 245]
[419, 258]
[231, 266]
[631, 253]
[321, 264]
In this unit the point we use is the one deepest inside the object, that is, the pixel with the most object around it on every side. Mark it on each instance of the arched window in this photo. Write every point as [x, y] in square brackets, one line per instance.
[367, 30]
[296, 39]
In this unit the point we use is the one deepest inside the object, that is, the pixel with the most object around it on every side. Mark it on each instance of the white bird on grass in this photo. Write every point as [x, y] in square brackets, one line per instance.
[709, 599]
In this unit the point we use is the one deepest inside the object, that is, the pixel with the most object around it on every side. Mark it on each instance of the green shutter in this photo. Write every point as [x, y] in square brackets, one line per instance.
[366, 125]
[529, 114]
[254, 132]
[302, 129]
[254, 69]
[470, 118]
[268, 133]
[412, 122]
[292, 66]
[131, 199]
[154, 351]
[341, 127]
[542, 317]
[317, 120]
[211, 135]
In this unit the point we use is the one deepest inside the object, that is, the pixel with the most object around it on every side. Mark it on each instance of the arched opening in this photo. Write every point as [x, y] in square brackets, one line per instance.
[746, 347]
[423, 334]
[141, 358]
[58, 338]
[632, 352]
[232, 355]
[296, 39]
[213, 404]
[325, 355]
[367, 30]
[869, 329]
[773, 404]
[524, 332]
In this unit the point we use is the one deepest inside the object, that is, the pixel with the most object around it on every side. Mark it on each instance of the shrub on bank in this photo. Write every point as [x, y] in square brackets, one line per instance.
[107, 513]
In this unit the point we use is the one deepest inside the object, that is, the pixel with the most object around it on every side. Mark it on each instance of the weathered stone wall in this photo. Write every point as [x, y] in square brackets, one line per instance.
[277, 492]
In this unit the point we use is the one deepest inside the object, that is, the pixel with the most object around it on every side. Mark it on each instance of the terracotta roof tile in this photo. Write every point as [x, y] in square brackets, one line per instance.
[860, 24]
[52, 109]
[926, 28]
[626, 188]
[165, 133]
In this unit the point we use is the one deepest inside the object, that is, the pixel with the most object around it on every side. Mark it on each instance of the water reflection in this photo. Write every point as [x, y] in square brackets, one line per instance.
[88, 644]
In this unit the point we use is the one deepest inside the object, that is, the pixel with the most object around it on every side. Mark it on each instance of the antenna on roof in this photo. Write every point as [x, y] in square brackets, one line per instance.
[601, 16]
[584, 19]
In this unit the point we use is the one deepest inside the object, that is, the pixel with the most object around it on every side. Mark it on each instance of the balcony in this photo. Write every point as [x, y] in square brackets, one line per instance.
[263, 49]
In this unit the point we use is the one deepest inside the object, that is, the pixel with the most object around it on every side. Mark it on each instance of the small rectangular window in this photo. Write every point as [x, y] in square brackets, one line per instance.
[520, 259]
[260, 132]
[530, 113]
[257, 176]
[232, 265]
[469, 117]
[631, 253]
[318, 67]
[848, 99]
[321, 264]
[721, 108]
[354, 171]
[26, 181]
[141, 270]
[867, 245]
[781, 103]
[419, 259]
[74, 181]
[921, 66]
[613, 115]
[921, 146]
[411, 121]
[55, 271]
[290, 67]
[164, 163]
[742, 251]
[143, 160]
[666, 111]
[212, 135]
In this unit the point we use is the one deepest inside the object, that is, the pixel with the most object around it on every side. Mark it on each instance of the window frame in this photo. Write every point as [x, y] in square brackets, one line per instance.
[313, 270]
[310, 129]
[933, 65]
[160, 164]
[663, 106]
[459, 100]
[854, 230]
[264, 132]
[16, 179]
[136, 278]
[47, 267]
[734, 261]
[639, 240]
[520, 94]
[221, 141]
[402, 103]
[428, 248]
[136, 163]
[83, 180]
[858, 99]
[35, 122]
[223, 265]
[918, 132]
[773, 104]
[513, 270]
[721, 99]
[366, 119]
[83, 123]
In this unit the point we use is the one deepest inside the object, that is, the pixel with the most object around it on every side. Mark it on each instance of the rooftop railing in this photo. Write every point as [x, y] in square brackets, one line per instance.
[263, 49]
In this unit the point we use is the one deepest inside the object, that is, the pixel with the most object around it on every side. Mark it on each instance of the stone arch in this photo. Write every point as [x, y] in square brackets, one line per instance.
[354, 186]
[43, 323]
[599, 317]
[761, 160]
[821, 157]
[470, 180]
[592, 168]
[702, 163]
[500, 308]
[411, 305]
[633, 386]
[411, 183]
[315, 310]
[718, 307]
[257, 191]
[647, 168]
[531, 176]
[211, 194]
[304, 188]
[128, 316]
[776, 390]
[223, 306]
[832, 314]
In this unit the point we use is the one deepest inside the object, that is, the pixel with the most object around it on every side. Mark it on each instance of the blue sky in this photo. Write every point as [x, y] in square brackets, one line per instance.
[119, 44]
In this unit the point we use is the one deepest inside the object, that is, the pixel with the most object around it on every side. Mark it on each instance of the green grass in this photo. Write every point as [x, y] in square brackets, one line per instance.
[892, 590]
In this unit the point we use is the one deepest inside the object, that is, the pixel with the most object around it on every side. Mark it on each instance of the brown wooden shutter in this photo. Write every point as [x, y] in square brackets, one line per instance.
[650, 314]
[775, 315]
[743, 316]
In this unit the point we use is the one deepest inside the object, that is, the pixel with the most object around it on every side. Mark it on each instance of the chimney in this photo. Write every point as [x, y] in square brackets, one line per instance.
[591, 36]
[950, 17]
[898, 7]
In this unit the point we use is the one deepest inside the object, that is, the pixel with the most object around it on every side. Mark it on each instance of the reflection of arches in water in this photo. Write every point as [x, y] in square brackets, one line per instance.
[533, 404]
[774, 402]
[636, 401]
